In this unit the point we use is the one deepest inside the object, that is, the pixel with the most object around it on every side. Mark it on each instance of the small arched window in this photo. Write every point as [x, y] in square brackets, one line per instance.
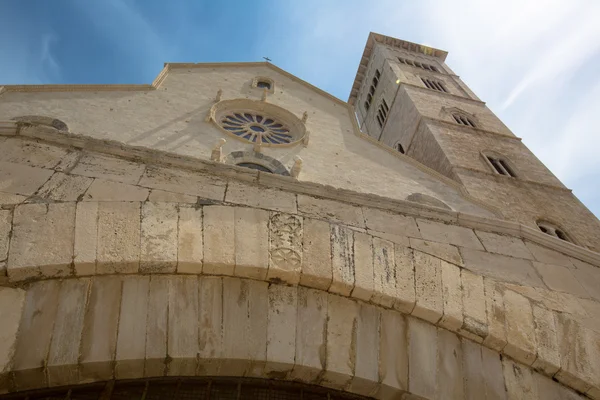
[500, 165]
[399, 148]
[434, 85]
[264, 83]
[552, 230]
[462, 119]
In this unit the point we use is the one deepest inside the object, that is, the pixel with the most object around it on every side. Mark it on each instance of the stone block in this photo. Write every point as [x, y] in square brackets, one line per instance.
[99, 340]
[5, 228]
[9, 199]
[311, 335]
[285, 248]
[103, 190]
[548, 358]
[588, 276]
[211, 332]
[256, 336]
[474, 310]
[281, 330]
[384, 273]
[405, 280]
[182, 337]
[560, 279]
[449, 366]
[502, 268]
[366, 375]
[402, 240]
[219, 240]
[363, 267]
[551, 390]
[548, 256]
[342, 260]
[393, 355]
[452, 297]
[251, 233]
[341, 341]
[118, 238]
[335, 211]
[42, 241]
[422, 358]
[21, 179]
[520, 328]
[11, 306]
[473, 370]
[110, 168]
[157, 195]
[131, 339]
[86, 238]
[190, 246]
[316, 248]
[496, 315]
[156, 326]
[261, 197]
[444, 251]
[493, 376]
[184, 182]
[62, 187]
[505, 245]
[451, 234]
[519, 381]
[428, 288]
[386, 222]
[158, 252]
[30, 153]
[63, 356]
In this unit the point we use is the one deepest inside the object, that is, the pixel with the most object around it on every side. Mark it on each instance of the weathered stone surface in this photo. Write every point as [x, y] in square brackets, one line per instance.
[35, 332]
[219, 240]
[99, 340]
[158, 251]
[422, 358]
[405, 280]
[496, 315]
[156, 328]
[21, 179]
[548, 256]
[251, 232]
[551, 390]
[103, 190]
[185, 182]
[363, 267]
[342, 260]
[452, 234]
[503, 244]
[281, 330]
[62, 187]
[182, 337]
[450, 366]
[393, 355]
[11, 306]
[473, 370]
[366, 375]
[66, 337]
[384, 273]
[86, 238]
[31, 153]
[157, 195]
[519, 381]
[548, 358]
[493, 376]
[446, 252]
[316, 263]
[502, 268]
[341, 341]
[452, 297]
[311, 334]
[560, 279]
[334, 211]
[428, 288]
[474, 311]
[9, 199]
[118, 238]
[261, 197]
[131, 339]
[285, 248]
[256, 336]
[110, 168]
[588, 276]
[390, 223]
[520, 328]
[190, 246]
[42, 241]
[210, 348]
[5, 228]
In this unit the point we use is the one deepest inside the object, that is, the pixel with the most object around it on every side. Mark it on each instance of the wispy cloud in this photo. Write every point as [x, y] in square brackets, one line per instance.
[47, 59]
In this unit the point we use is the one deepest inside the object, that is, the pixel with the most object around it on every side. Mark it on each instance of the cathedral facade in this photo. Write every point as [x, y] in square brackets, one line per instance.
[231, 231]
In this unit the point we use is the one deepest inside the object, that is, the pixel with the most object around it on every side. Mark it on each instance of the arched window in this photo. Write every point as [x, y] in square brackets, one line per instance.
[500, 165]
[552, 230]
[264, 83]
[399, 148]
[462, 119]
[434, 85]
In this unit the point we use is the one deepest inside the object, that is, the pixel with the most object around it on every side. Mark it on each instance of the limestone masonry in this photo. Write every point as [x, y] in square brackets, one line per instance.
[231, 221]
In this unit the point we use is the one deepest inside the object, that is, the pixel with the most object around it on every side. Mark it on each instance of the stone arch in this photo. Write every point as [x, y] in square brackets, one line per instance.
[42, 120]
[427, 200]
[270, 163]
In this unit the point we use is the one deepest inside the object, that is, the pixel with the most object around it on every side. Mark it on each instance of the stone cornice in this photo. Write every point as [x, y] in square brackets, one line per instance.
[513, 181]
[443, 94]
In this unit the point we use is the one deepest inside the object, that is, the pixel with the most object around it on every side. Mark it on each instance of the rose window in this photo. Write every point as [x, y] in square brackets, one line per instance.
[252, 126]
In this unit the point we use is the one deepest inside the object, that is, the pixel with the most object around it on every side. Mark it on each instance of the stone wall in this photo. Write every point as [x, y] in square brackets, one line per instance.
[230, 271]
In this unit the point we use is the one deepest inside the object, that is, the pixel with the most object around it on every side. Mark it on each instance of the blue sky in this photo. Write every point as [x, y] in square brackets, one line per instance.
[535, 63]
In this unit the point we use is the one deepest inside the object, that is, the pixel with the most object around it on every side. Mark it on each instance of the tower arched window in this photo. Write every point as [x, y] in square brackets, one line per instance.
[434, 85]
[372, 88]
[552, 230]
[462, 119]
[399, 148]
[500, 165]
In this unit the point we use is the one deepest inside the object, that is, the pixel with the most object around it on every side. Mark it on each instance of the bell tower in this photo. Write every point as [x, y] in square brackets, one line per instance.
[406, 97]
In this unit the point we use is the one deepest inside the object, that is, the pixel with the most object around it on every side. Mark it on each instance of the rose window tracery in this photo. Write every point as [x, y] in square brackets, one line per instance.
[252, 126]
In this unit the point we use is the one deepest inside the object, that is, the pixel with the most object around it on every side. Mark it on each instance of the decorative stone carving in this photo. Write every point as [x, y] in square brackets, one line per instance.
[295, 172]
[285, 242]
[217, 152]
